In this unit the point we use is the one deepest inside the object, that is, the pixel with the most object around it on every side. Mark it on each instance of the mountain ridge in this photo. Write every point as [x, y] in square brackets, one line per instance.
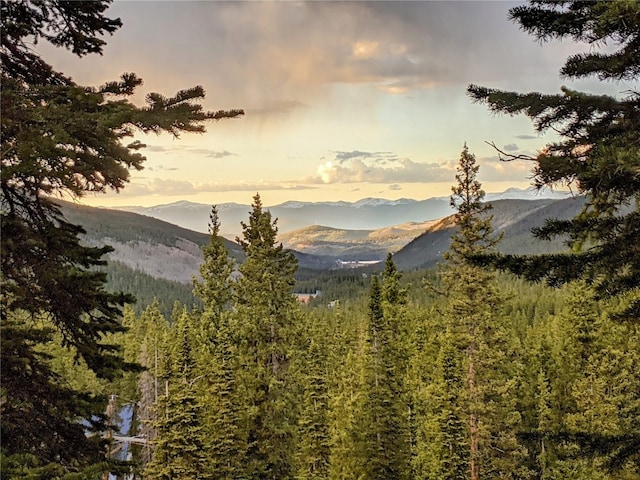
[513, 218]
[365, 214]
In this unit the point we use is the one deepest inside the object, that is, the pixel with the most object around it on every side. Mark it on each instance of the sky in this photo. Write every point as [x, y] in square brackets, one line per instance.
[343, 100]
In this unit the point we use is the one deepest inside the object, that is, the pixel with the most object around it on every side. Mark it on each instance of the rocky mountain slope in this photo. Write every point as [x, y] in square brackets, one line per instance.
[349, 245]
[513, 219]
[155, 247]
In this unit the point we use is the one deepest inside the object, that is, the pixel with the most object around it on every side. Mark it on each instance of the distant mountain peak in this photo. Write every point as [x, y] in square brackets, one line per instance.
[365, 214]
[376, 202]
[530, 193]
[293, 204]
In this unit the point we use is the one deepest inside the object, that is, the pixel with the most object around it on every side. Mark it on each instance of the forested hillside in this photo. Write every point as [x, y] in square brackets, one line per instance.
[427, 376]
[514, 220]
[158, 248]
[497, 363]
[163, 250]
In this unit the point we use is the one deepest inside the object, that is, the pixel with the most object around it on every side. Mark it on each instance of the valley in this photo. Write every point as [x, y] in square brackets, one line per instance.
[152, 256]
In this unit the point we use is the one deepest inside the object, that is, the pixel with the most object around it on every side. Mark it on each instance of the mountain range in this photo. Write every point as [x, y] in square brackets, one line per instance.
[157, 259]
[164, 250]
[365, 214]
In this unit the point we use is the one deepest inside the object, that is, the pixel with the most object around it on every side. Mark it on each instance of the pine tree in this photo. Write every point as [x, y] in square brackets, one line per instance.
[394, 306]
[598, 150]
[477, 327]
[314, 444]
[217, 360]
[385, 427]
[226, 442]
[60, 138]
[422, 376]
[215, 289]
[471, 286]
[267, 324]
[377, 410]
[346, 396]
[445, 448]
[602, 401]
[148, 333]
[539, 396]
[180, 445]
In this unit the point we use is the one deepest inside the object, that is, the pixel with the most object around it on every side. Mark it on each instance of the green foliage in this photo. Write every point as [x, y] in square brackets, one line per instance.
[60, 138]
[214, 289]
[384, 424]
[267, 320]
[226, 444]
[179, 447]
[599, 150]
[347, 364]
[581, 412]
[445, 452]
[147, 289]
[343, 284]
[496, 379]
[314, 448]
[217, 361]
[478, 341]
[40, 413]
[544, 362]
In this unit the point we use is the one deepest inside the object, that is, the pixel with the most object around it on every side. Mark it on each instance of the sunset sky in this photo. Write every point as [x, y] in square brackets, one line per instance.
[343, 100]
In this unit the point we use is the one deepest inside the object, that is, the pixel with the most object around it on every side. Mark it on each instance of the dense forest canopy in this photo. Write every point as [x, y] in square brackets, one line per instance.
[60, 138]
[458, 372]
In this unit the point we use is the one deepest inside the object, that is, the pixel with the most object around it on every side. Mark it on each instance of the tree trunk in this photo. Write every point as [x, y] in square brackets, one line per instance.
[473, 419]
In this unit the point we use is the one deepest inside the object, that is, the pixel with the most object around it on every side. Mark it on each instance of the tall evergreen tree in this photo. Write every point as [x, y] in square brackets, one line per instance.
[474, 316]
[445, 434]
[601, 401]
[348, 362]
[179, 449]
[598, 150]
[267, 317]
[226, 441]
[314, 443]
[143, 342]
[60, 138]
[386, 440]
[217, 361]
[215, 289]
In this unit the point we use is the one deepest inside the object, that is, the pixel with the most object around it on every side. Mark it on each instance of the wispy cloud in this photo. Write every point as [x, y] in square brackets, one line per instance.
[510, 147]
[169, 187]
[346, 168]
[221, 154]
[527, 137]
[157, 148]
[158, 168]
[180, 148]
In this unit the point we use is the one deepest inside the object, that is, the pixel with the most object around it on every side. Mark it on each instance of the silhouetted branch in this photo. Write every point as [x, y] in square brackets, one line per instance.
[508, 157]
